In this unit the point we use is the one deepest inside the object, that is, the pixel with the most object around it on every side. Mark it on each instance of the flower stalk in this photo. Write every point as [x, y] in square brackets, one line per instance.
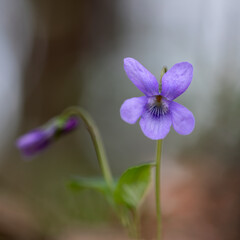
[157, 188]
[96, 138]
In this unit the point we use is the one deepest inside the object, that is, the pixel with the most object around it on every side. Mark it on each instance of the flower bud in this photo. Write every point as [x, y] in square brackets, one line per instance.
[35, 141]
[69, 125]
[40, 138]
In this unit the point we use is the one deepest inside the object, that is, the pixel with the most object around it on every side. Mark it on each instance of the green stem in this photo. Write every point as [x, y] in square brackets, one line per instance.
[128, 219]
[96, 138]
[157, 188]
[137, 223]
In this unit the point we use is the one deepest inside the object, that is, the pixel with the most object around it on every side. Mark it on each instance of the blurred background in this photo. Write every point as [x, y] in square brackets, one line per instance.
[54, 54]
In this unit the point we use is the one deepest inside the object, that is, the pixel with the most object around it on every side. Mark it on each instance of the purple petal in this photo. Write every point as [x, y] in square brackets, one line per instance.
[155, 127]
[141, 77]
[132, 109]
[176, 80]
[183, 120]
[70, 124]
[34, 141]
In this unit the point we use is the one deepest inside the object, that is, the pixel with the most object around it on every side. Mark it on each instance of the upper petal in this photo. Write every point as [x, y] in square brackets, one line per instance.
[155, 127]
[182, 119]
[141, 77]
[132, 109]
[176, 80]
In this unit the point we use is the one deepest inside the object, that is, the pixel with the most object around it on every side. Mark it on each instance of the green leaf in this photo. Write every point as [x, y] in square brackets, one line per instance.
[79, 184]
[132, 186]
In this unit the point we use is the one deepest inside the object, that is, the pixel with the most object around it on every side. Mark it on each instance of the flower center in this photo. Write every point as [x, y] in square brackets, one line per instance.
[158, 106]
[158, 98]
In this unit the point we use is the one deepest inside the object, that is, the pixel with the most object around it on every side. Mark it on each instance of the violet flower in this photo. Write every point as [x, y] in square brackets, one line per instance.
[157, 109]
[39, 139]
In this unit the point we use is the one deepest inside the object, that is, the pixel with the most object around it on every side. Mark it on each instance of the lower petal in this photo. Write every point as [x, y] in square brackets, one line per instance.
[182, 119]
[155, 127]
[132, 109]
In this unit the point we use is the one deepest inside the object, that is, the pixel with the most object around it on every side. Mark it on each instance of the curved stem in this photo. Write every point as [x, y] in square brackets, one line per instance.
[157, 187]
[96, 138]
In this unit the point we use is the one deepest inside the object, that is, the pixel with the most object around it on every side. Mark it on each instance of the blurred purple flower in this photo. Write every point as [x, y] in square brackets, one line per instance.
[37, 140]
[157, 109]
